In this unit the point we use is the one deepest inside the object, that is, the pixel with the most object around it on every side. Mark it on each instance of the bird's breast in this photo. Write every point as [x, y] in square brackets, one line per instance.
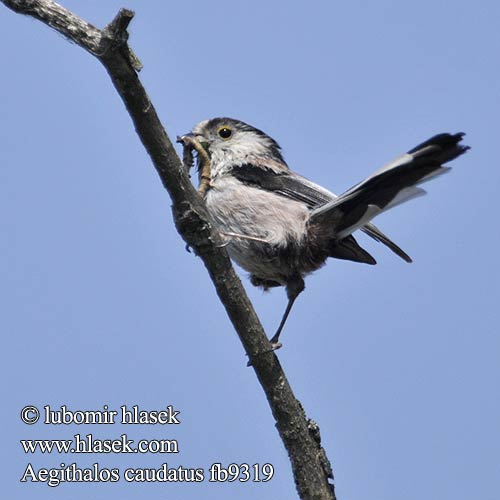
[263, 228]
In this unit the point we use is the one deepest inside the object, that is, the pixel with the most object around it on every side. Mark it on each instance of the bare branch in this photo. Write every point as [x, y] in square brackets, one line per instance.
[310, 466]
[61, 19]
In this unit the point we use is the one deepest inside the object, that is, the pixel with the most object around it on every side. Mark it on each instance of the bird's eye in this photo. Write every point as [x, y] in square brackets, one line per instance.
[225, 133]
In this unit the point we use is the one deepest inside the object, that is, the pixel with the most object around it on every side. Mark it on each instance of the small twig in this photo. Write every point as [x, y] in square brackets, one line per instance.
[118, 26]
[116, 33]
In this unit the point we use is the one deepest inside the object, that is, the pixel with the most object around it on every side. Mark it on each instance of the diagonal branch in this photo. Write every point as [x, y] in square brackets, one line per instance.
[310, 465]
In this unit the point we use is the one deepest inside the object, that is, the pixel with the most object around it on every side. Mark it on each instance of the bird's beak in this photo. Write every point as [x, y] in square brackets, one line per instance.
[180, 138]
[189, 137]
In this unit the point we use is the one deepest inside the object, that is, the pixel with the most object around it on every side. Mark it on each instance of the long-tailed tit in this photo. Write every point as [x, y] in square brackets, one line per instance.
[280, 226]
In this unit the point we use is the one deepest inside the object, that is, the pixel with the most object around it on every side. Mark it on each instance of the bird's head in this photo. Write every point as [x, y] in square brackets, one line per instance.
[231, 142]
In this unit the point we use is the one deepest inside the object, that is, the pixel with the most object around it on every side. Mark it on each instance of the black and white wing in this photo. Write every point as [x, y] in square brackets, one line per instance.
[296, 187]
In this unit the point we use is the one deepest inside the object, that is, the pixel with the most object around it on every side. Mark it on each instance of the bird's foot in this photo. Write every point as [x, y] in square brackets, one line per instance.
[274, 347]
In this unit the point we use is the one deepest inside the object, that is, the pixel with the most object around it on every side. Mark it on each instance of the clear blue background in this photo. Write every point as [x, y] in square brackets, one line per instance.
[101, 304]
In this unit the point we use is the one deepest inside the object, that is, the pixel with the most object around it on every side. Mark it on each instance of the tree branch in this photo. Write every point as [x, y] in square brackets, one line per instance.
[310, 465]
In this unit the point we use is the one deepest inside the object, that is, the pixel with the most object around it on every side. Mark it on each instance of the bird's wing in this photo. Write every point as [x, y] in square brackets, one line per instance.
[298, 188]
[283, 182]
[393, 184]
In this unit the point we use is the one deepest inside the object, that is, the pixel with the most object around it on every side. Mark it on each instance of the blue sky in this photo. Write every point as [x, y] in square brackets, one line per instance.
[398, 364]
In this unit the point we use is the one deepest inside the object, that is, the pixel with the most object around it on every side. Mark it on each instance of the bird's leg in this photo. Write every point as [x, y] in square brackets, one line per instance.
[293, 289]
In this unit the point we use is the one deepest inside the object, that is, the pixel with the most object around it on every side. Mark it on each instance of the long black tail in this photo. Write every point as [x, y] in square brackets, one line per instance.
[393, 184]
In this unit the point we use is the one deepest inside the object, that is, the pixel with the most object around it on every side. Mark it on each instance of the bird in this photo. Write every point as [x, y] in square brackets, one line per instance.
[279, 226]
